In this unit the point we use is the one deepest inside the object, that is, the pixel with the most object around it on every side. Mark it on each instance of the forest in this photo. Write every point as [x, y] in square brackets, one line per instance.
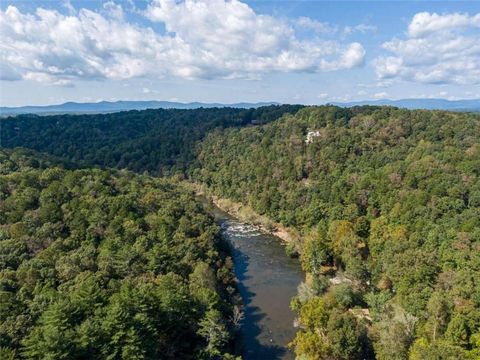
[386, 200]
[388, 204]
[161, 142]
[107, 264]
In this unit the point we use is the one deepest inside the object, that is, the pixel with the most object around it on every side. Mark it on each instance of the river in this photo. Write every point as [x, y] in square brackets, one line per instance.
[267, 280]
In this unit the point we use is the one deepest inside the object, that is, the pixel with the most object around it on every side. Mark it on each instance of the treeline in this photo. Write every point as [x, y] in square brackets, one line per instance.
[388, 202]
[159, 141]
[106, 264]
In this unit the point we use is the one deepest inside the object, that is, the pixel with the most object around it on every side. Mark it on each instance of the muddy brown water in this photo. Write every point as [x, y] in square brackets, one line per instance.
[267, 280]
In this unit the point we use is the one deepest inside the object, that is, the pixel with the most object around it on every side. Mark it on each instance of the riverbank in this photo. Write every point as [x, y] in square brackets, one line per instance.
[267, 279]
[246, 214]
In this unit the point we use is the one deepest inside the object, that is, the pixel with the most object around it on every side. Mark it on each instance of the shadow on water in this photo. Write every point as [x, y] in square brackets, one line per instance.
[267, 280]
[252, 348]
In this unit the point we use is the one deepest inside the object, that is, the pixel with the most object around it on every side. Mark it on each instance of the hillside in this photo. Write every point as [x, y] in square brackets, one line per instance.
[158, 141]
[107, 264]
[388, 202]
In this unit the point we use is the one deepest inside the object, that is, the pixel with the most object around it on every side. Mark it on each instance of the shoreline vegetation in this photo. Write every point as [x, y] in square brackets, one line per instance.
[246, 214]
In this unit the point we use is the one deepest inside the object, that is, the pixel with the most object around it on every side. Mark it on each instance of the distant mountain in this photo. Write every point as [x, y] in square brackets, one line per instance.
[428, 104]
[106, 107]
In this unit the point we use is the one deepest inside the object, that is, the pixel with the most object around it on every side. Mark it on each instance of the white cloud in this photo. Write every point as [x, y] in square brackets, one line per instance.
[114, 10]
[364, 28]
[69, 7]
[203, 39]
[381, 95]
[352, 56]
[315, 25]
[438, 49]
[47, 78]
[320, 27]
[361, 28]
[425, 23]
[228, 39]
[51, 47]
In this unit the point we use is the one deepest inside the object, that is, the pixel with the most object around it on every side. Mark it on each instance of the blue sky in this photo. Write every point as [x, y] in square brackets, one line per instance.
[308, 52]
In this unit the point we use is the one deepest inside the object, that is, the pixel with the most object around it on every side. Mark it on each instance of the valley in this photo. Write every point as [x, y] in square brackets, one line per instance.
[239, 179]
[368, 192]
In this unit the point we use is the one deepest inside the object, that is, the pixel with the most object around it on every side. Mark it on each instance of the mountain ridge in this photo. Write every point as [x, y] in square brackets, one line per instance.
[419, 103]
[125, 105]
[122, 105]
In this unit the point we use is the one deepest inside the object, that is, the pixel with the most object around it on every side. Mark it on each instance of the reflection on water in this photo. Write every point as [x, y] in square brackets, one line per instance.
[268, 279]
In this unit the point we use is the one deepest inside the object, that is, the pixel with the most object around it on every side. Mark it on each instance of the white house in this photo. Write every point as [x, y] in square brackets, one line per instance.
[311, 135]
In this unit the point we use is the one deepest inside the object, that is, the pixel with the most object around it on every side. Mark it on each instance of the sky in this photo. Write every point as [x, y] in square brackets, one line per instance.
[309, 52]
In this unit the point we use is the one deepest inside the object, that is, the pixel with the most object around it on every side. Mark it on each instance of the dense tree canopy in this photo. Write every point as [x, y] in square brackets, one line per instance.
[387, 202]
[106, 264]
[388, 198]
[159, 141]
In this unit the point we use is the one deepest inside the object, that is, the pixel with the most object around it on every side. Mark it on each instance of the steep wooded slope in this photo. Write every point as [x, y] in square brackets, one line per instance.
[387, 198]
[106, 264]
[159, 141]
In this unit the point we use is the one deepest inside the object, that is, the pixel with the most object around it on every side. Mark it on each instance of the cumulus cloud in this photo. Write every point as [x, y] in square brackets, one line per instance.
[437, 49]
[114, 10]
[425, 23]
[203, 39]
[56, 48]
[227, 38]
